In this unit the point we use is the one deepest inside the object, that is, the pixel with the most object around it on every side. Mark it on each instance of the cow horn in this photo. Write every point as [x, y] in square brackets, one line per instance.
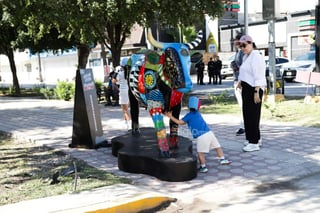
[196, 42]
[154, 42]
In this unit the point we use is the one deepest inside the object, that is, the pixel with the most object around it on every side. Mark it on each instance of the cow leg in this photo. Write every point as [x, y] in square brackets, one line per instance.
[173, 139]
[157, 118]
[134, 112]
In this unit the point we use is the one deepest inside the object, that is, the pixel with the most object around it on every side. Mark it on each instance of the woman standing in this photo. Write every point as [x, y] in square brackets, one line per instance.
[123, 94]
[252, 81]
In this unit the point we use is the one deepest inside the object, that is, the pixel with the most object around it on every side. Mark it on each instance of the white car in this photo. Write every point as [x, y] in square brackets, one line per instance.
[289, 70]
[226, 70]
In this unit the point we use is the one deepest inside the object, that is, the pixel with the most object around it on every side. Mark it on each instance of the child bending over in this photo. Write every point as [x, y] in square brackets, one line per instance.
[200, 131]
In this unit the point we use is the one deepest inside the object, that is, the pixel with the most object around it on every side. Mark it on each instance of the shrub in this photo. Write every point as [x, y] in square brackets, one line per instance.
[64, 90]
[47, 92]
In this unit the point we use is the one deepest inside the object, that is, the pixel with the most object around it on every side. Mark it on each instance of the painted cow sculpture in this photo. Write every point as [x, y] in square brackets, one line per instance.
[157, 81]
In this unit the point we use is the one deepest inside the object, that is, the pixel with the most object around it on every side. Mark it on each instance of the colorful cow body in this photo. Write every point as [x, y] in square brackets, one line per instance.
[157, 81]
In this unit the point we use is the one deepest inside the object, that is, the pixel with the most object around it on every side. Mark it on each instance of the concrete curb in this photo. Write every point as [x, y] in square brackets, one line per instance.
[143, 203]
[110, 199]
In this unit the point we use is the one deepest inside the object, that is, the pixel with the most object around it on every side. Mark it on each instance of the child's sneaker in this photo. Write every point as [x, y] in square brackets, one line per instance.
[203, 169]
[224, 162]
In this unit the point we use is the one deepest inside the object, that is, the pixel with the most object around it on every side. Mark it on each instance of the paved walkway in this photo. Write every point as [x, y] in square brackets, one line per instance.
[289, 152]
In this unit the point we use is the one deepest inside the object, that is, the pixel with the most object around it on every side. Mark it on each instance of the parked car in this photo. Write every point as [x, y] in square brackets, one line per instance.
[226, 70]
[308, 67]
[289, 70]
[279, 61]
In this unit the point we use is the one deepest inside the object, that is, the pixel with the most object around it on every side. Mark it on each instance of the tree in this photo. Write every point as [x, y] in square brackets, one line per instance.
[110, 22]
[16, 17]
[56, 24]
[188, 12]
[7, 36]
[120, 16]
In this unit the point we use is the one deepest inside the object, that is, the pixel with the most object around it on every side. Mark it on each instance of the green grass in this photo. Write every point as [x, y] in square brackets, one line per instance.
[26, 172]
[293, 110]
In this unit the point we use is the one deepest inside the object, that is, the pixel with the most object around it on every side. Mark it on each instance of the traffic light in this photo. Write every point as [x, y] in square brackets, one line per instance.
[270, 9]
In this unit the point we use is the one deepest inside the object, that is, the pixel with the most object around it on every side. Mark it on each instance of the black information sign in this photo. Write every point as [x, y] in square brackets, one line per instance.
[87, 127]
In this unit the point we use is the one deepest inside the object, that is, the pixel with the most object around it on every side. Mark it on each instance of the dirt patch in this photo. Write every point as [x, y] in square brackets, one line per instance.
[29, 171]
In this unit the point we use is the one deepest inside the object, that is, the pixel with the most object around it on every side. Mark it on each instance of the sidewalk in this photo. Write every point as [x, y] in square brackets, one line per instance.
[289, 153]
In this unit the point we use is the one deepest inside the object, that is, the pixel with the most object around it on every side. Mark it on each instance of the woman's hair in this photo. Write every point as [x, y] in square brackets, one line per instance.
[253, 44]
[238, 37]
[126, 71]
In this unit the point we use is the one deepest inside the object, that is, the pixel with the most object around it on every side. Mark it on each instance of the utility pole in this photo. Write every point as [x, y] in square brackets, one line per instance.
[246, 17]
[271, 51]
[270, 9]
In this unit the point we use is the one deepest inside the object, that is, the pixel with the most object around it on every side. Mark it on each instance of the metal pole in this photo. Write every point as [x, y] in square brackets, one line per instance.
[272, 67]
[245, 17]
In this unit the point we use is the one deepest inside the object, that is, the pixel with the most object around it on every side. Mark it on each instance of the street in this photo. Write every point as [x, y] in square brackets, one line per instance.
[290, 89]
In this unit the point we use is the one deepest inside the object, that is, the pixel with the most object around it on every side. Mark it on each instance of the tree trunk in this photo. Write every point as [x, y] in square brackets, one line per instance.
[116, 38]
[116, 55]
[83, 55]
[15, 81]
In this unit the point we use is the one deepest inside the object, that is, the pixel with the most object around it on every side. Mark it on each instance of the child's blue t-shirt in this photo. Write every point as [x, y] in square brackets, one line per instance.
[196, 123]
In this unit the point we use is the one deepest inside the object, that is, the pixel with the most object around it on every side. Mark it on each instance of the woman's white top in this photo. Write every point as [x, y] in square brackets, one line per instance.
[253, 69]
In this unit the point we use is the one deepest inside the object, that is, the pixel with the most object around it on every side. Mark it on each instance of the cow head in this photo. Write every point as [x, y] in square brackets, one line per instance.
[177, 62]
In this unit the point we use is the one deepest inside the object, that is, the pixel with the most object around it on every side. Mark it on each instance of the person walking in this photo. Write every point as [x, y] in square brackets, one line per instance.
[252, 82]
[205, 138]
[235, 65]
[200, 70]
[123, 94]
[109, 91]
[217, 70]
[211, 70]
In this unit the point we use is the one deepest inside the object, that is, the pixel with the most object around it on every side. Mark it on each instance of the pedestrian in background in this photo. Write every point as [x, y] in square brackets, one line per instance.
[217, 70]
[124, 94]
[235, 65]
[252, 82]
[200, 131]
[200, 70]
[210, 70]
[109, 89]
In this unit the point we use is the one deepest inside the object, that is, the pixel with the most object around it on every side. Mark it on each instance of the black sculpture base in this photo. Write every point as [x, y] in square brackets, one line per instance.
[141, 155]
[104, 143]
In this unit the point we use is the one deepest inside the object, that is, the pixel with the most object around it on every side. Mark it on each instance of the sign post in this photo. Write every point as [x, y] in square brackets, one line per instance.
[270, 9]
[87, 127]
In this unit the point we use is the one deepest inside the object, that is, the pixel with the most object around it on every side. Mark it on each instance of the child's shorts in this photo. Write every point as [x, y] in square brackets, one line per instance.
[207, 142]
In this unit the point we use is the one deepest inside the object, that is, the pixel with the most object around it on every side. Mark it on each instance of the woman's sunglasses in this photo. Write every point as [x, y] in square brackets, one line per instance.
[243, 45]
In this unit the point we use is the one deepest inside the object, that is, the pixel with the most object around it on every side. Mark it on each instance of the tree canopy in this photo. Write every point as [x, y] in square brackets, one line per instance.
[86, 22]
[60, 24]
